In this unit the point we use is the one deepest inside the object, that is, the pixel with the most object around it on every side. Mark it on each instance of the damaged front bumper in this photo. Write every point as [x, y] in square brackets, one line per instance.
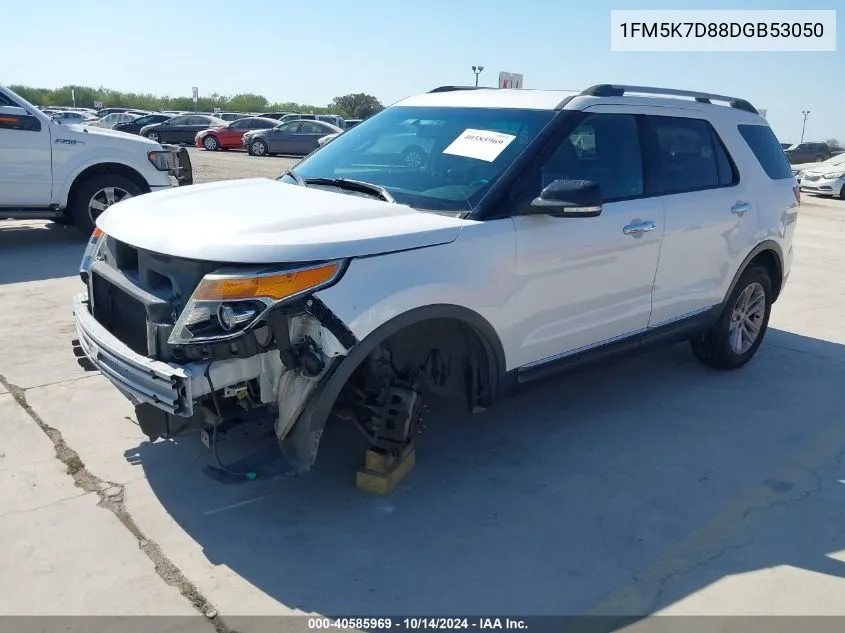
[170, 387]
[170, 397]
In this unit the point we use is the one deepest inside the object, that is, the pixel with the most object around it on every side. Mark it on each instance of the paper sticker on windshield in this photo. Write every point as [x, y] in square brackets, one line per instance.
[480, 144]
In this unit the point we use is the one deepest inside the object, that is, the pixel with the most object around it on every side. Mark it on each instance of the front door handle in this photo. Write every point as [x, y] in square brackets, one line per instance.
[741, 208]
[638, 228]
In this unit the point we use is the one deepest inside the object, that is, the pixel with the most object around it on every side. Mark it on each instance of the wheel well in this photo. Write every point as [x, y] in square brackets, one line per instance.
[107, 169]
[450, 356]
[771, 262]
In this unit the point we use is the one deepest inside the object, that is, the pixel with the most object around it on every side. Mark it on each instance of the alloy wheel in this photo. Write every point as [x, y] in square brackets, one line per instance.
[747, 318]
[103, 199]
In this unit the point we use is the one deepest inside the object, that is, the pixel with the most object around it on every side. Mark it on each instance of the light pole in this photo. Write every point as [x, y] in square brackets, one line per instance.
[477, 70]
[804, 127]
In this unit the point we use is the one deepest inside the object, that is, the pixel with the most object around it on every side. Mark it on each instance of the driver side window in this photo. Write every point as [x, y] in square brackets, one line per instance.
[603, 148]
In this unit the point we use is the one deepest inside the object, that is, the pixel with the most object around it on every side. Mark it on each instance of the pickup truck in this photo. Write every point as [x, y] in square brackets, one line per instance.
[810, 153]
[71, 173]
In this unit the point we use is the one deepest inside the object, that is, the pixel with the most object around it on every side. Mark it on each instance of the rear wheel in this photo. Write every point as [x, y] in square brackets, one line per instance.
[738, 333]
[97, 194]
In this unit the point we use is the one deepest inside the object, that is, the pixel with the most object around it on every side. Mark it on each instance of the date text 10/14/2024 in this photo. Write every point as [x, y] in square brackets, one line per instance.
[415, 623]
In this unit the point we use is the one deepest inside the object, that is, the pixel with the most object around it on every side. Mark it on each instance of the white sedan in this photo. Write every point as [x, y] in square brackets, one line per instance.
[110, 120]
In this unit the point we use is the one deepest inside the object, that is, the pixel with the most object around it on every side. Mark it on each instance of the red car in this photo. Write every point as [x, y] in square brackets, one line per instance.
[229, 137]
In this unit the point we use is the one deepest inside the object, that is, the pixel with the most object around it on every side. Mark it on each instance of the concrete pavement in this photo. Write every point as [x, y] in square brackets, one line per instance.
[653, 485]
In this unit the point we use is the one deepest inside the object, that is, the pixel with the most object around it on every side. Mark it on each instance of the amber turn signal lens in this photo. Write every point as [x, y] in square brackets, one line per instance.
[276, 287]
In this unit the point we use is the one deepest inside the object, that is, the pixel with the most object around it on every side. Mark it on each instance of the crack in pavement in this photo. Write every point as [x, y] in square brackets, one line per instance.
[744, 521]
[111, 496]
[43, 505]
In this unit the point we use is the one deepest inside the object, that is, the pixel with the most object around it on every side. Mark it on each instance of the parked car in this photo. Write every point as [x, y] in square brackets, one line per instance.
[824, 179]
[293, 137]
[71, 174]
[110, 120]
[181, 129]
[134, 127]
[350, 123]
[354, 291]
[106, 111]
[786, 145]
[810, 153]
[69, 116]
[231, 136]
[274, 115]
[327, 118]
[231, 116]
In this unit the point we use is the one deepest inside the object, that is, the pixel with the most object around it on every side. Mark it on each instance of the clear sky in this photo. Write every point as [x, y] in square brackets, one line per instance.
[311, 52]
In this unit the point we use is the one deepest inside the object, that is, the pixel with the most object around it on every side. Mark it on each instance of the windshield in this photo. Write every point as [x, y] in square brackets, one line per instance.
[438, 159]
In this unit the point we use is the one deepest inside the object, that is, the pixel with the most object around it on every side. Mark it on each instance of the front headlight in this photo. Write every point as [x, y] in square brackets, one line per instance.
[164, 160]
[91, 250]
[224, 306]
[834, 176]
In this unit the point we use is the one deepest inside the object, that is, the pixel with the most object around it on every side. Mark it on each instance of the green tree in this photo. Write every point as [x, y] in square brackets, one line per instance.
[86, 96]
[356, 106]
[832, 143]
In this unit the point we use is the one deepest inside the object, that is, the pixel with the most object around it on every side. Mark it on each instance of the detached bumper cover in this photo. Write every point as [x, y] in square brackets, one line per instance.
[164, 386]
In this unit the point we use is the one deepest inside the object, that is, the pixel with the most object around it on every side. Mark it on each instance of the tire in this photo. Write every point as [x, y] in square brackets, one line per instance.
[258, 147]
[413, 157]
[154, 136]
[842, 193]
[211, 143]
[95, 195]
[724, 347]
[820, 159]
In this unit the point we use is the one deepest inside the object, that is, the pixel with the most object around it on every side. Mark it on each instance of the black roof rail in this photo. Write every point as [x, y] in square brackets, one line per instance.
[612, 90]
[454, 88]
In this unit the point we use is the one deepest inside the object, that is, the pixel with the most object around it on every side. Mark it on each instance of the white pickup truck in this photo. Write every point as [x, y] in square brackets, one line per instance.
[72, 173]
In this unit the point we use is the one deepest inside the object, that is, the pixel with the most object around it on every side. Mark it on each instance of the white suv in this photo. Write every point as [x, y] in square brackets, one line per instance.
[543, 230]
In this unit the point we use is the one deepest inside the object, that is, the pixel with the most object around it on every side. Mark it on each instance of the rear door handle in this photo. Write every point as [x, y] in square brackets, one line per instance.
[741, 208]
[639, 228]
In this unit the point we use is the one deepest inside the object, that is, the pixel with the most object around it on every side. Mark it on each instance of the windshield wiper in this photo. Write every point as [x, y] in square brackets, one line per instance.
[295, 176]
[352, 185]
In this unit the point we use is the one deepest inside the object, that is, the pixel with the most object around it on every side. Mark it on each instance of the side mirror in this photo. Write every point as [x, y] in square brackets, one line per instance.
[568, 199]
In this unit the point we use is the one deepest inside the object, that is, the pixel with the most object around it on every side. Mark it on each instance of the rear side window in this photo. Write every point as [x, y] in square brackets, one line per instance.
[768, 151]
[685, 155]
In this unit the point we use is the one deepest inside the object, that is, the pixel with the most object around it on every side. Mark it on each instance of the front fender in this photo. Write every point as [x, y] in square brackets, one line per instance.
[69, 169]
[301, 444]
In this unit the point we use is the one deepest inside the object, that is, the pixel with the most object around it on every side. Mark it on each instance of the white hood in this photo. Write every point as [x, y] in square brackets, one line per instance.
[93, 134]
[264, 221]
[831, 165]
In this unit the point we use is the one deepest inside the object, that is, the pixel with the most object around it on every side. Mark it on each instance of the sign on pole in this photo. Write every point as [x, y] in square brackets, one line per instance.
[510, 80]
[196, 93]
[73, 96]
[98, 104]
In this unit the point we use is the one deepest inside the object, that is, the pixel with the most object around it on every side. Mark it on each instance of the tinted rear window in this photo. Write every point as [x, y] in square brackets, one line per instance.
[767, 149]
